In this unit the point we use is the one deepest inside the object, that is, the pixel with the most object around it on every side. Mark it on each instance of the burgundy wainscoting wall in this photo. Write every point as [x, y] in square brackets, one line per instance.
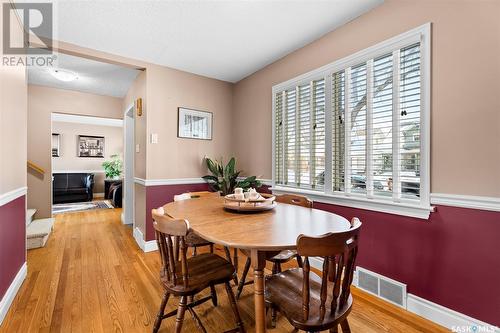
[452, 259]
[157, 196]
[12, 241]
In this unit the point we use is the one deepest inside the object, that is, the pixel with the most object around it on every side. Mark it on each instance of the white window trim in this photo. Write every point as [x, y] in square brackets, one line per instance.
[421, 209]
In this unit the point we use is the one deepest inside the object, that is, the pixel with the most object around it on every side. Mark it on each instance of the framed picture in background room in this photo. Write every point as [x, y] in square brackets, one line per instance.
[56, 144]
[90, 146]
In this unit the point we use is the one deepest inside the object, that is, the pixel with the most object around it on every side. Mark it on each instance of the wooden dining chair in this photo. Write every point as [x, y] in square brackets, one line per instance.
[194, 241]
[283, 256]
[187, 277]
[310, 302]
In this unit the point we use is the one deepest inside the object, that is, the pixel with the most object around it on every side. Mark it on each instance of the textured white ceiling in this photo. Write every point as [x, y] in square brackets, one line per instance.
[222, 39]
[93, 76]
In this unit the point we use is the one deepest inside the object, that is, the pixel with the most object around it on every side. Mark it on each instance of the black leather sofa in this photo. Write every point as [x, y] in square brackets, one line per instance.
[72, 187]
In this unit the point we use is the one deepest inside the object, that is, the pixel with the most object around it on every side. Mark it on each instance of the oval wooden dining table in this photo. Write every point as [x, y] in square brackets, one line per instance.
[273, 230]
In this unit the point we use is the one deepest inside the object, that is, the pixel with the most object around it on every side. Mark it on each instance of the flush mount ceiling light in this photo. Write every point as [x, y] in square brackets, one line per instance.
[64, 75]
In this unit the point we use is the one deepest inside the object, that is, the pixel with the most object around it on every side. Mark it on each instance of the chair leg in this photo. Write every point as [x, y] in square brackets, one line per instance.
[195, 251]
[275, 268]
[213, 293]
[180, 314]
[334, 329]
[228, 257]
[300, 263]
[211, 248]
[243, 278]
[234, 307]
[273, 316]
[235, 260]
[345, 326]
[159, 317]
[197, 320]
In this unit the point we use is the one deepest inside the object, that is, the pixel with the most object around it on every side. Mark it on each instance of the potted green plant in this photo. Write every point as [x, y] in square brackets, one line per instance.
[113, 168]
[224, 178]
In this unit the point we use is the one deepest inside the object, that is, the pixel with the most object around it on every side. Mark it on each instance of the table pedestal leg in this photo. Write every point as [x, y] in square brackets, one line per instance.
[258, 264]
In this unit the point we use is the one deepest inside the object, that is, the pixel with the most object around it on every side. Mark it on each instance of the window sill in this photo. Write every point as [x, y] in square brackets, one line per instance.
[353, 201]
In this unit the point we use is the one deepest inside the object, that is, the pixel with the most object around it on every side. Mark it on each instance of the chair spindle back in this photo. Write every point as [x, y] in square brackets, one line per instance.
[169, 232]
[339, 252]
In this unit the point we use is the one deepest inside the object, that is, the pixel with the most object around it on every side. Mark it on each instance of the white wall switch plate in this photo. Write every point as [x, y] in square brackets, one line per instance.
[137, 148]
[154, 137]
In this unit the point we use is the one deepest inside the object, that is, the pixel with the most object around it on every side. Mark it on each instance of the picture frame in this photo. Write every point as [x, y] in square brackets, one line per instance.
[194, 124]
[56, 144]
[90, 146]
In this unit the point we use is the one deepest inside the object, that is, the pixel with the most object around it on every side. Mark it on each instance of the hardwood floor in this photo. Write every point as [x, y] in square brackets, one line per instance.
[92, 277]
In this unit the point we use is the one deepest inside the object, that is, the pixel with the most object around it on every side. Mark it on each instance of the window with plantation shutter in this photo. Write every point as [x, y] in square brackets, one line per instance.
[299, 137]
[356, 132]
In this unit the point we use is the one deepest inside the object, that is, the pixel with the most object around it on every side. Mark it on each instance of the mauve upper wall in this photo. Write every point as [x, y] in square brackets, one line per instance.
[13, 115]
[465, 132]
[168, 89]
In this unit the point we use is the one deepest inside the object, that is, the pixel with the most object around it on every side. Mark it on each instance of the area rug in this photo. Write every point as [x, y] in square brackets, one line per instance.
[79, 206]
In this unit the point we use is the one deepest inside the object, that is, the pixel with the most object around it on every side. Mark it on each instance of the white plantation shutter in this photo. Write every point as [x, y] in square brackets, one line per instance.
[357, 126]
[338, 130]
[290, 140]
[304, 135]
[300, 135]
[409, 123]
[382, 113]
[318, 127]
[278, 138]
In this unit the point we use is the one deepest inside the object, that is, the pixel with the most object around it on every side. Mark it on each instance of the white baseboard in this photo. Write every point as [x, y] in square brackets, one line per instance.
[143, 245]
[11, 293]
[150, 246]
[451, 319]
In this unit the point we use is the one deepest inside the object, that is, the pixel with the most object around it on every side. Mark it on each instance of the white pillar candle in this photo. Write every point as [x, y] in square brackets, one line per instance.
[238, 190]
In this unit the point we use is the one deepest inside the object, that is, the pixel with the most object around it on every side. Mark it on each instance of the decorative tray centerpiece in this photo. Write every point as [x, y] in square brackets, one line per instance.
[250, 201]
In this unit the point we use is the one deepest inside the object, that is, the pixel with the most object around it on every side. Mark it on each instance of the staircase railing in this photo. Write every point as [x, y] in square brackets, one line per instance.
[35, 167]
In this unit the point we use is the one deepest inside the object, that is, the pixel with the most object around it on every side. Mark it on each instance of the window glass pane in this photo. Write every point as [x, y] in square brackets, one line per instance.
[382, 112]
[357, 147]
[409, 133]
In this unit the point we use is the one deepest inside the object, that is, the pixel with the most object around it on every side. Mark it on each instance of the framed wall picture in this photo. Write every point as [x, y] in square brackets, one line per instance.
[194, 124]
[56, 143]
[90, 146]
